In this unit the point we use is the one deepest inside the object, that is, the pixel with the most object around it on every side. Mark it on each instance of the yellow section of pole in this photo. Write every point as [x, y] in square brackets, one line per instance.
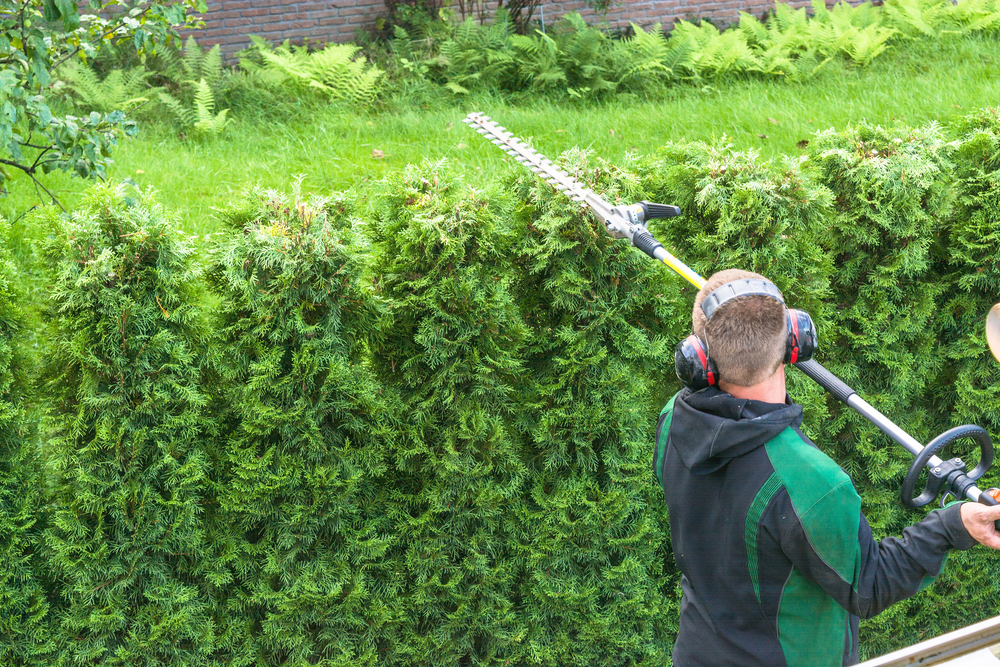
[682, 269]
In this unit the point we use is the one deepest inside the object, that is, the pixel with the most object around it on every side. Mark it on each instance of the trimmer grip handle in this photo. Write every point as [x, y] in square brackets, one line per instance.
[651, 210]
[826, 379]
[645, 242]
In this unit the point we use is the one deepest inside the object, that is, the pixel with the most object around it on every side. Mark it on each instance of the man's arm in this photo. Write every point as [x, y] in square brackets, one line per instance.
[883, 572]
[818, 523]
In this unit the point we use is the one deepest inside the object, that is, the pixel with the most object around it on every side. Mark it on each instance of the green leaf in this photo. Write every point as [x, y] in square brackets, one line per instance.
[70, 14]
[49, 10]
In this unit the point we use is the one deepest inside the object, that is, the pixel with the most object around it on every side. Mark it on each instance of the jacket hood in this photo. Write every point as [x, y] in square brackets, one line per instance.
[710, 427]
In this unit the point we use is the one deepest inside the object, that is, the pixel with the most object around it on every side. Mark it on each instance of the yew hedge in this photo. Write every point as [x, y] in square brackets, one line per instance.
[414, 425]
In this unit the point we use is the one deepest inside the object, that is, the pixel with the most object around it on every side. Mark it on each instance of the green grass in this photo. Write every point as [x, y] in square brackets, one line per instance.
[912, 83]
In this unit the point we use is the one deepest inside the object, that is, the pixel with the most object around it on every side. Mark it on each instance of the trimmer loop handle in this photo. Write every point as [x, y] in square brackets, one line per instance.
[948, 474]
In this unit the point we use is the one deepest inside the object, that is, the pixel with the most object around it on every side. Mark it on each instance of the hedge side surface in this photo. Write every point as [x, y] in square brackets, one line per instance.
[894, 200]
[892, 189]
[127, 545]
[971, 377]
[441, 261]
[24, 609]
[600, 581]
[301, 455]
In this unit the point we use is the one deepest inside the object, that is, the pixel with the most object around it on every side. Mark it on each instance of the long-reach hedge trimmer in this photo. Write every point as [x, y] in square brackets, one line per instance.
[629, 222]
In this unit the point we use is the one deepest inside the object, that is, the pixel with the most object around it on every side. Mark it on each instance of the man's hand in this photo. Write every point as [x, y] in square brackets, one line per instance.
[978, 520]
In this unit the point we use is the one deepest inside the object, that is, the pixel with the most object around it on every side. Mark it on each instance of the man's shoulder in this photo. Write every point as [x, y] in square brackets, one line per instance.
[803, 468]
[822, 496]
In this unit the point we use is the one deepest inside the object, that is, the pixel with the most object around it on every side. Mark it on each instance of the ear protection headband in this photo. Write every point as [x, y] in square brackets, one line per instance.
[694, 366]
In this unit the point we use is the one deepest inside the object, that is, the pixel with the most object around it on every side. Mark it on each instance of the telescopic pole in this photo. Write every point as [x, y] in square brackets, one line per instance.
[630, 222]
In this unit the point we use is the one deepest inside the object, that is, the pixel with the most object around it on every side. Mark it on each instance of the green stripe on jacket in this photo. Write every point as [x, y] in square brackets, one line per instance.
[810, 622]
[661, 442]
[752, 527]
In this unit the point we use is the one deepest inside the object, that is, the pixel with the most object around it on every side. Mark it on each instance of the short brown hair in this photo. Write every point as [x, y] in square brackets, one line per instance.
[747, 335]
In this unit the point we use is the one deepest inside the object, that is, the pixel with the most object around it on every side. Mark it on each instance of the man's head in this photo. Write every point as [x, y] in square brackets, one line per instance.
[747, 335]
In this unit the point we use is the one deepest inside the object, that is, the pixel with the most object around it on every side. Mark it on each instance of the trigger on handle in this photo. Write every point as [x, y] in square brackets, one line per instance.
[652, 210]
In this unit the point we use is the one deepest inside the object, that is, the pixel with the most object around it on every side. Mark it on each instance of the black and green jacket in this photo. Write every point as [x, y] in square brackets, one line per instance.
[778, 561]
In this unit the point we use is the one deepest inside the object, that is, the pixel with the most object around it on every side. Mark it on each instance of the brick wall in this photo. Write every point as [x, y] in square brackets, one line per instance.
[229, 22]
[666, 12]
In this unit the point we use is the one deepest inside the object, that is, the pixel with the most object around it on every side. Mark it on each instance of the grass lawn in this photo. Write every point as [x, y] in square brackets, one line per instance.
[913, 83]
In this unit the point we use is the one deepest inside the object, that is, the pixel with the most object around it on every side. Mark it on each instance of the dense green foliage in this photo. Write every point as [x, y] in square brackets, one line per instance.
[574, 60]
[599, 589]
[24, 632]
[126, 448]
[303, 525]
[453, 354]
[415, 426]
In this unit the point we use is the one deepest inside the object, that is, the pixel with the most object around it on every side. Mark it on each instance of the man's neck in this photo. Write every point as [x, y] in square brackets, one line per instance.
[771, 390]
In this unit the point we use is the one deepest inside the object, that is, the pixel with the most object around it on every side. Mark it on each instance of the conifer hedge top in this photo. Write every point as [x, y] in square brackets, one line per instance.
[126, 546]
[416, 428]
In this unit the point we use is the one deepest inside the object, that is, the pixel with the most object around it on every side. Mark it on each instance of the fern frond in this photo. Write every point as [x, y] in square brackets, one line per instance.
[203, 95]
[209, 125]
[342, 76]
[211, 66]
[120, 89]
[171, 66]
[191, 58]
[866, 44]
[753, 30]
[185, 116]
[334, 71]
[525, 45]
[976, 16]
[915, 18]
[648, 53]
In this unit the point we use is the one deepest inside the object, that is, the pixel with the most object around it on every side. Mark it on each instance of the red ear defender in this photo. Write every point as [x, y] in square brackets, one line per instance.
[692, 364]
[801, 336]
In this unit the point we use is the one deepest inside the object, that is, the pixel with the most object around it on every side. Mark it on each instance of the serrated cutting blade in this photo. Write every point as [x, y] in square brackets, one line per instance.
[576, 191]
[538, 163]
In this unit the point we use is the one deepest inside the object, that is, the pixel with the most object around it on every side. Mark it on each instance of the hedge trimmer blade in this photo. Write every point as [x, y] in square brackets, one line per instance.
[622, 222]
[537, 163]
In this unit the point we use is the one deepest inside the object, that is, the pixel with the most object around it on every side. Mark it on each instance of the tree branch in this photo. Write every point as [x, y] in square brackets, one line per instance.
[17, 165]
[38, 184]
[30, 172]
[40, 156]
[15, 220]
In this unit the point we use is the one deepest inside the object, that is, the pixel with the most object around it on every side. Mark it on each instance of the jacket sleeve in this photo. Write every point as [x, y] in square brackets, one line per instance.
[863, 575]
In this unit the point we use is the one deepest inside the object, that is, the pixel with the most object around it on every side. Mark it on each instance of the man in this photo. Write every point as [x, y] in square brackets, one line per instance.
[778, 562]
